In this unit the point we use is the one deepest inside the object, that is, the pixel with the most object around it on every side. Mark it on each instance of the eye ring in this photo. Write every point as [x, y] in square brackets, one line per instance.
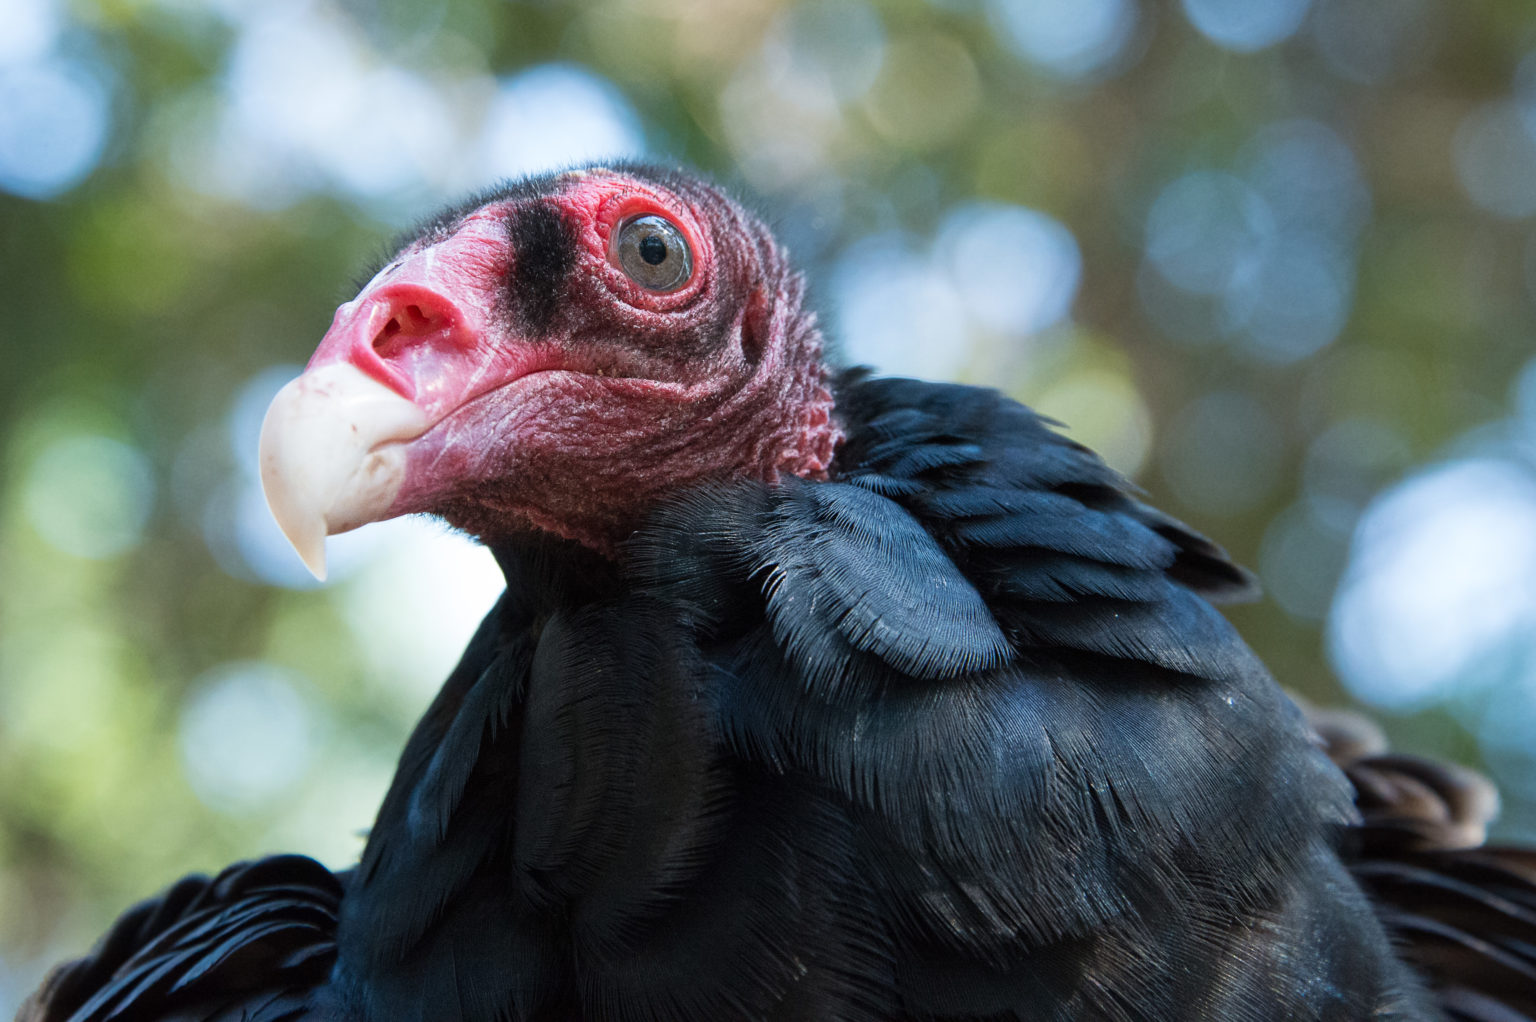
[653, 252]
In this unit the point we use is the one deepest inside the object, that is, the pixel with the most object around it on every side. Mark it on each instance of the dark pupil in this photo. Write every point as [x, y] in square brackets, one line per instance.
[653, 250]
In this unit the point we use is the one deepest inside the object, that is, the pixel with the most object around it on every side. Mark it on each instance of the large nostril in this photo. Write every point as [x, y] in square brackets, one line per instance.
[409, 321]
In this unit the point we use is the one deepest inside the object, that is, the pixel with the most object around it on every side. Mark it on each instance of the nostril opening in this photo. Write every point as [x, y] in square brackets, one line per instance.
[384, 336]
[410, 321]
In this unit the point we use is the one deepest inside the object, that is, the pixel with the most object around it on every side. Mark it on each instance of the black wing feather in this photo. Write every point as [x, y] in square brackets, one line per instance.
[253, 942]
[953, 735]
[1462, 912]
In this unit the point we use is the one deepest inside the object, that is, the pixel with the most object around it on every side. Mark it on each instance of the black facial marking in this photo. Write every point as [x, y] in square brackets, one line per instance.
[543, 252]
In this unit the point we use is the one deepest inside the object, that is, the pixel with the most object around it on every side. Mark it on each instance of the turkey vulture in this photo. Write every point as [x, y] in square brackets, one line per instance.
[811, 695]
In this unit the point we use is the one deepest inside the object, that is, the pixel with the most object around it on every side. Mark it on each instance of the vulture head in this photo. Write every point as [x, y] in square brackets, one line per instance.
[558, 355]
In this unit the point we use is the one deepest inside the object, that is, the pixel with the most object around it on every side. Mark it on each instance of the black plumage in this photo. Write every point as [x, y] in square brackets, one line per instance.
[251, 944]
[869, 748]
[954, 732]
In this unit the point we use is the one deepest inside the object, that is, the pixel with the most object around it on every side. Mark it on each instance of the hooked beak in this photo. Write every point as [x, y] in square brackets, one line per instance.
[333, 455]
[396, 360]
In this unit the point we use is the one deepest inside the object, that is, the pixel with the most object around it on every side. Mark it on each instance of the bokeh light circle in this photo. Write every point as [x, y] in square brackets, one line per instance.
[55, 116]
[1246, 25]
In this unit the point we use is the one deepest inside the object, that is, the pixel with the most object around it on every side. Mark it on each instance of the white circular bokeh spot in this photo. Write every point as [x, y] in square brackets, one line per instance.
[1016, 269]
[55, 114]
[246, 735]
[1495, 150]
[1208, 229]
[555, 115]
[910, 309]
[824, 55]
[89, 495]
[1067, 38]
[897, 311]
[1441, 583]
[1246, 25]
[308, 103]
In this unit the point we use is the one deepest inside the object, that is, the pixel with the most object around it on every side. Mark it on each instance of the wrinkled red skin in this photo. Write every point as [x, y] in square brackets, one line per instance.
[624, 397]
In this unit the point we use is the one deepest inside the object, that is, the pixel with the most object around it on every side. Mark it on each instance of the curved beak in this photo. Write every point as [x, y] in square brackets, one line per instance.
[333, 455]
[338, 443]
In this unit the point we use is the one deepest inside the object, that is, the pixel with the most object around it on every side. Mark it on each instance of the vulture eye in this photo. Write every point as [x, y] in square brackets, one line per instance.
[654, 253]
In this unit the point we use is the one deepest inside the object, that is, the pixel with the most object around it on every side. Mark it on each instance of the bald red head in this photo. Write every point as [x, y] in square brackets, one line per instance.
[559, 355]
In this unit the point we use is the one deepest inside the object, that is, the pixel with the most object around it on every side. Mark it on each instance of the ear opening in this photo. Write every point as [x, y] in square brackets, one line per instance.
[756, 326]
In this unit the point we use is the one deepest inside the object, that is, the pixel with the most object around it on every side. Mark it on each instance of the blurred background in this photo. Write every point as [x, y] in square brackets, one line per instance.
[1276, 259]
